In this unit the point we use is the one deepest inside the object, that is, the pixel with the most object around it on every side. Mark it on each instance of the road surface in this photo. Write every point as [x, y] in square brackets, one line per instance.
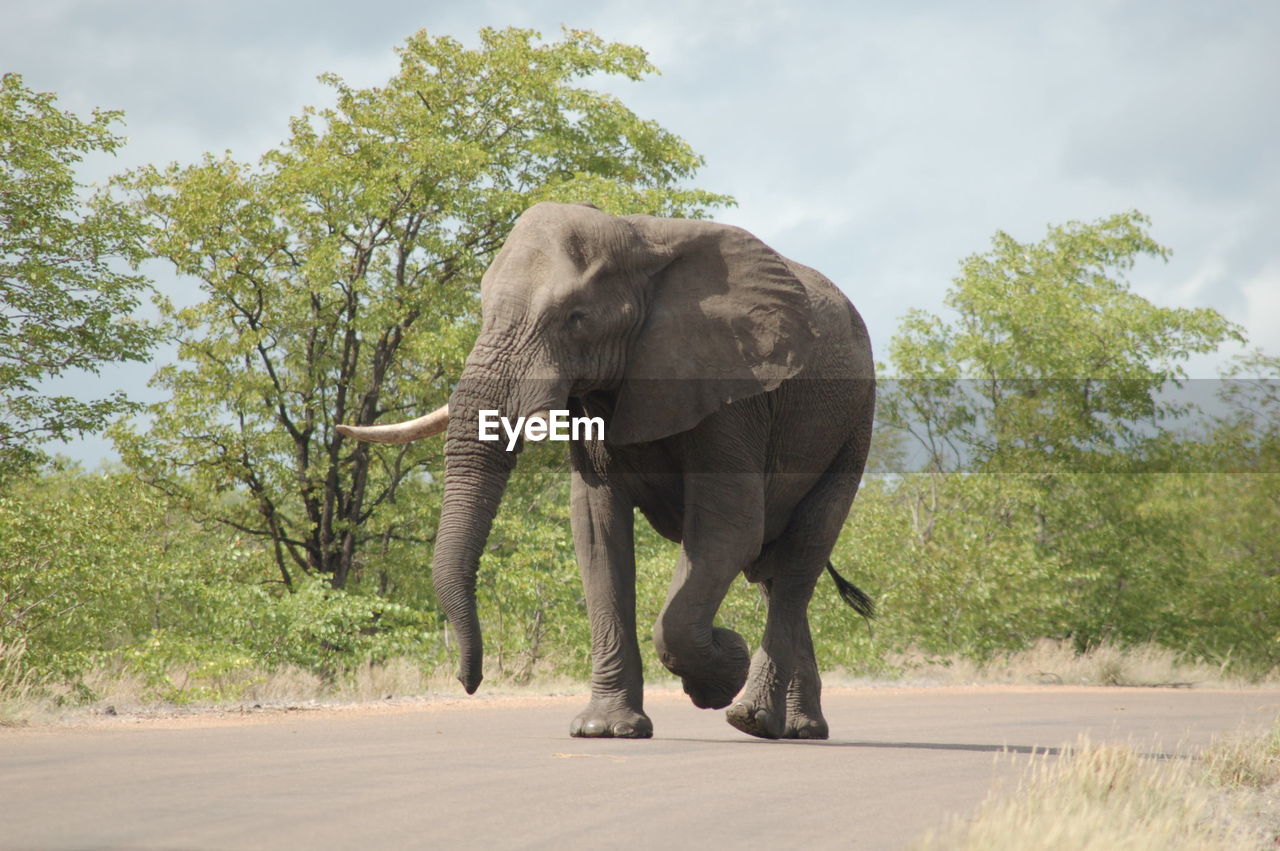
[503, 773]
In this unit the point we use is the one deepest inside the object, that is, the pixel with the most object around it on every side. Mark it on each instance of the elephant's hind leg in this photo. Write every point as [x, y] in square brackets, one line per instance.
[782, 698]
[804, 692]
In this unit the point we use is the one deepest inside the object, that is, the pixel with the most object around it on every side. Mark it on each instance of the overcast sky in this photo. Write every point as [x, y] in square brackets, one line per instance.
[878, 142]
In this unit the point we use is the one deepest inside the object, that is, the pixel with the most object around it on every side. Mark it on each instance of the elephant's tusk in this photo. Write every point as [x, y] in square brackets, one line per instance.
[424, 426]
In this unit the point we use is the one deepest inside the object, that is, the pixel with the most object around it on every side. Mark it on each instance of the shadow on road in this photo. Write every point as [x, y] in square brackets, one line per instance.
[954, 746]
[1030, 750]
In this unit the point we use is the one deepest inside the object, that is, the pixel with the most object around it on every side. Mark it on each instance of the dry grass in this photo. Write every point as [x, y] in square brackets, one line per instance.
[1244, 762]
[118, 691]
[1112, 797]
[1051, 662]
[19, 690]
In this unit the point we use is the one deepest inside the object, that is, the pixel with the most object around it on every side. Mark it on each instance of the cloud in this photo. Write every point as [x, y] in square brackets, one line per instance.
[1185, 106]
[1262, 307]
[878, 143]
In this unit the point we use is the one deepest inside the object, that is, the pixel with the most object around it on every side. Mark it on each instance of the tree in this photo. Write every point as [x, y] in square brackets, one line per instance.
[1056, 372]
[1053, 358]
[340, 275]
[65, 304]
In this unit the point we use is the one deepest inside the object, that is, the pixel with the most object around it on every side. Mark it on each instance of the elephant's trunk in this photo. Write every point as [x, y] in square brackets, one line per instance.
[476, 475]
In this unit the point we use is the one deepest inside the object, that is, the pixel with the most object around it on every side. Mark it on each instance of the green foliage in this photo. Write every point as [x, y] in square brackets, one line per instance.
[102, 571]
[959, 565]
[76, 551]
[339, 276]
[1059, 501]
[952, 566]
[64, 303]
[529, 594]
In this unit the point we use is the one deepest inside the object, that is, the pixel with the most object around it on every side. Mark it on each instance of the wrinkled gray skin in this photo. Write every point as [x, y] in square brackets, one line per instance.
[737, 389]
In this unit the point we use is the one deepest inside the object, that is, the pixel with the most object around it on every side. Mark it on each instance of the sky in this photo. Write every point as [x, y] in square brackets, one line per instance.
[880, 143]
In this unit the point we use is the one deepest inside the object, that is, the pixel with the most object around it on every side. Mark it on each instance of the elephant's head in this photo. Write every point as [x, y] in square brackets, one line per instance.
[662, 320]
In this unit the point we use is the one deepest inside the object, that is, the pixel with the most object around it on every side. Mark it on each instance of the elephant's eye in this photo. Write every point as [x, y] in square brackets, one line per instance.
[577, 319]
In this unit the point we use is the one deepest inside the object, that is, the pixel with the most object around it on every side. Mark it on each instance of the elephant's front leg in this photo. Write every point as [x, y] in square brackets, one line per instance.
[602, 536]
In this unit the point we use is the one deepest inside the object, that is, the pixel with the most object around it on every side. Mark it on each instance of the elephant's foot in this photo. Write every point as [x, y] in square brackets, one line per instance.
[716, 687]
[804, 706]
[805, 727]
[756, 720]
[759, 720]
[771, 710]
[602, 720]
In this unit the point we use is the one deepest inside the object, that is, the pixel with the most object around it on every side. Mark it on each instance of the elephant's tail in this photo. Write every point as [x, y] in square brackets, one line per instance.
[853, 596]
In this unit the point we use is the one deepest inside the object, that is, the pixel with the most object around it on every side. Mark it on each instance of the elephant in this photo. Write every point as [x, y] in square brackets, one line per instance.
[736, 388]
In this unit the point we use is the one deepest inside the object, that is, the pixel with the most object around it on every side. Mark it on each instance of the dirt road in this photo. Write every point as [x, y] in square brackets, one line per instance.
[503, 773]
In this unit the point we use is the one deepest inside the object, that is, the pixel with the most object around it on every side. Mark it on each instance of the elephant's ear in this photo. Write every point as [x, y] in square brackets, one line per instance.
[726, 319]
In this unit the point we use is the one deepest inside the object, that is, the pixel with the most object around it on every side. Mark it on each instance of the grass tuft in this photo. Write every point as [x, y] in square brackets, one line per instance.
[1112, 797]
[18, 687]
[1244, 762]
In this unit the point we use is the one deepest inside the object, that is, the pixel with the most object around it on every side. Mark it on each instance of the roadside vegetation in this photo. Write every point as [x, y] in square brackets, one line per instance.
[1111, 796]
[1047, 500]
